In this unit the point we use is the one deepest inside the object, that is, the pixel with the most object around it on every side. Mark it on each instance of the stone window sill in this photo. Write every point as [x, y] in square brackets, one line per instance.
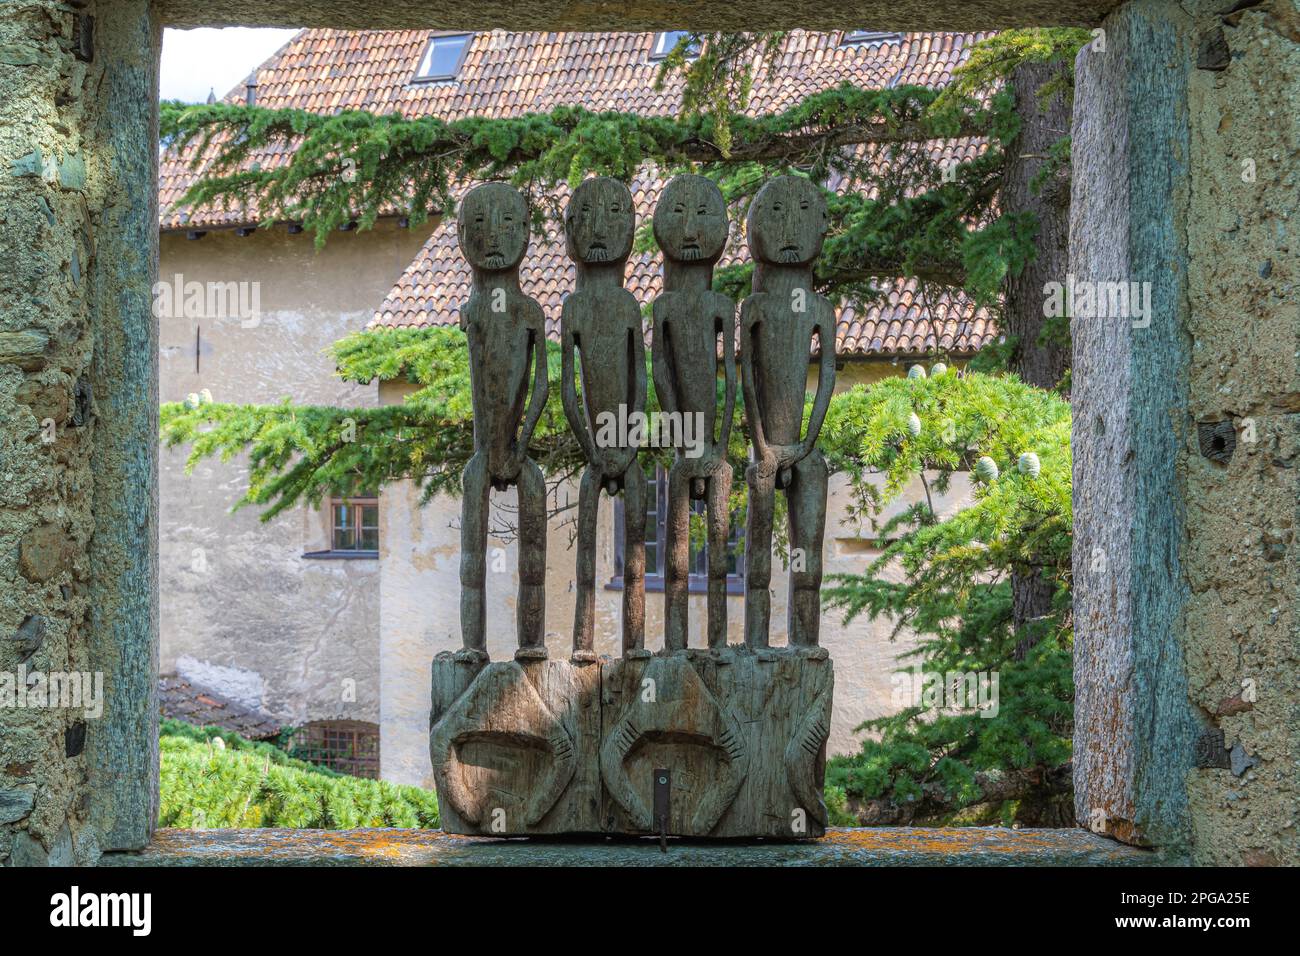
[867, 846]
[341, 555]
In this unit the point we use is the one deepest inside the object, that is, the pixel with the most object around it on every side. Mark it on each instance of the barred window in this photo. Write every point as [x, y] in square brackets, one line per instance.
[347, 746]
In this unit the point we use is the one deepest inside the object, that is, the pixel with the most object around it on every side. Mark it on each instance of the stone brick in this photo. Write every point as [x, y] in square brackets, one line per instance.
[45, 551]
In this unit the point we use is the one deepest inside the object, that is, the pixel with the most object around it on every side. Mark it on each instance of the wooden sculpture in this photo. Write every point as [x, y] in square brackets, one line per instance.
[691, 324]
[723, 741]
[778, 323]
[601, 325]
[507, 334]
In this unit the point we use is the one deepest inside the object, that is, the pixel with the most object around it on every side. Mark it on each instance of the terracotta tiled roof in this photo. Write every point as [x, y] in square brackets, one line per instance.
[506, 74]
[201, 706]
[433, 287]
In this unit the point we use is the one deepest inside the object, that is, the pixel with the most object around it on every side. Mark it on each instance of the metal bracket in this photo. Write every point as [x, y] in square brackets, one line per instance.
[662, 787]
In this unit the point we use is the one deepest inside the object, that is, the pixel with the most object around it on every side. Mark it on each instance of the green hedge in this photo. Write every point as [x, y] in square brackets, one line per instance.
[248, 784]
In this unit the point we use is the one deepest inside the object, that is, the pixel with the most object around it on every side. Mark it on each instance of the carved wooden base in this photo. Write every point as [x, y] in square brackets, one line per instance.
[550, 746]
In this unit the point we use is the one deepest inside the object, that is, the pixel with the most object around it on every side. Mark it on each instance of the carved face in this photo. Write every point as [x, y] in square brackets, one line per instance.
[787, 222]
[492, 227]
[599, 221]
[691, 220]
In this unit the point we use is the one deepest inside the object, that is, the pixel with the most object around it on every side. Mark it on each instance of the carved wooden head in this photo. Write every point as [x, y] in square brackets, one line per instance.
[691, 220]
[787, 222]
[492, 227]
[599, 221]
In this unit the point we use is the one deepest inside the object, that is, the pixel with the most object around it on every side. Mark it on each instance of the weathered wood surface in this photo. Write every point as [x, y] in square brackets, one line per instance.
[514, 746]
[548, 747]
[506, 332]
[693, 325]
[600, 327]
[778, 324]
[735, 735]
[743, 733]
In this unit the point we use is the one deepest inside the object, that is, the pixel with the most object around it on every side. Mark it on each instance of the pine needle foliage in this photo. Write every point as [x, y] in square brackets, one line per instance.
[946, 578]
[248, 784]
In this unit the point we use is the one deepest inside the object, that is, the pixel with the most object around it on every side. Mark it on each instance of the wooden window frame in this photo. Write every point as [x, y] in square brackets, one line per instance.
[359, 503]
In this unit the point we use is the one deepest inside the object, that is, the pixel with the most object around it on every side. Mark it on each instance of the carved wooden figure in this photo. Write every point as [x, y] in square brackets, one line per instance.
[778, 322]
[727, 742]
[601, 325]
[507, 336]
[690, 225]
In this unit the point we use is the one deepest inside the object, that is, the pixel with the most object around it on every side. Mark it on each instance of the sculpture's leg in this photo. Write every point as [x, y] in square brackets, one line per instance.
[531, 612]
[758, 554]
[475, 489]
[634, 513]
[807, 498]
[584, 610]
[719, 494]
[677, 558]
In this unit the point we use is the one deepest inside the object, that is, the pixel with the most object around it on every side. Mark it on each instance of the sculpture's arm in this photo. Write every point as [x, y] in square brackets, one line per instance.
[569, 390]
[661, 355]
[825, 378]
[639, 384]
[748, 325]
[728, 329]
[541, 387]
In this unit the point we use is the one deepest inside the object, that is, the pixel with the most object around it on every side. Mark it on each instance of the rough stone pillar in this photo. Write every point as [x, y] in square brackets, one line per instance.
[1243, 625]
[1185, 573]
[78, 387]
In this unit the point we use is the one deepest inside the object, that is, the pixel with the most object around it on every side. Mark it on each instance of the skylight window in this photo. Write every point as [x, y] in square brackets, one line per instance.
[666, 41]
[869, 36]
[443, 58]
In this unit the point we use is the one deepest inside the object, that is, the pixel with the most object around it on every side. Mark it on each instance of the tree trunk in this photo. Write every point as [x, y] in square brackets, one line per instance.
[1037, 362]
[1039, 790]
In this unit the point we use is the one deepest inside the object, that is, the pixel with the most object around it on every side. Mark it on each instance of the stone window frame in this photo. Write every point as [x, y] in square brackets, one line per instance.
[1135, 744]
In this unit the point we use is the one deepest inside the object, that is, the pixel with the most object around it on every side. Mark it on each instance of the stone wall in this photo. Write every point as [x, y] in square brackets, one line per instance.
[77, 387]
[1243, 330]
[1185, 439]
